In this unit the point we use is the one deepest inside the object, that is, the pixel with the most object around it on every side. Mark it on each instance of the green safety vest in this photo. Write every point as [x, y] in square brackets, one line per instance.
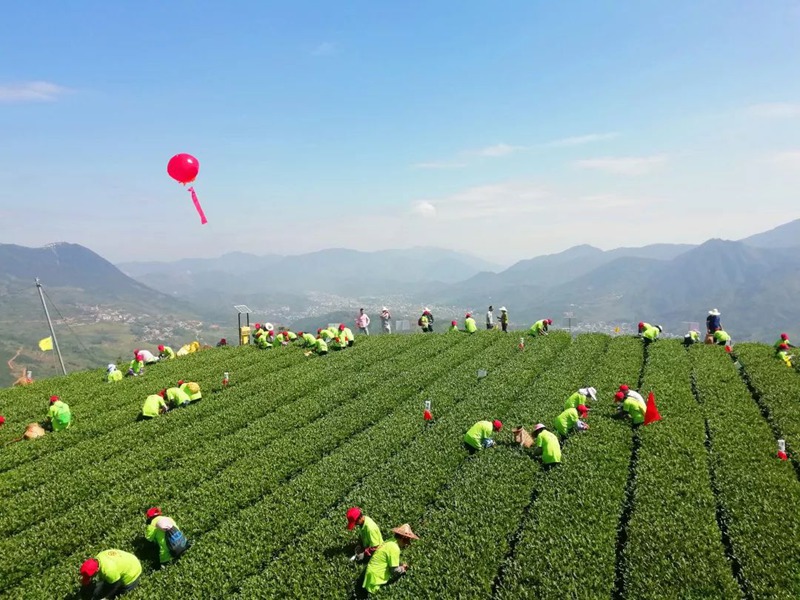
[551, 449]
[564, 422]
[321, 346]
[369, 533]
[115, 375]
[482, 430]
[116, 565]
[635, 409]
[651, 333]
[60, 415]
[177, 396]
[158, 536]
[470, 326]
[379, 569]
[152, 404]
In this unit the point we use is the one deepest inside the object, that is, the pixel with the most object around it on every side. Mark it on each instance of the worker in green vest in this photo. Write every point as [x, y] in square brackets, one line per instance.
[320, 347]
[154, 405]
[59, 417]
[651, 333]
[191, 389]
[721, 338]
[385, 565]
[369, 534]
[118, 573]
[337, 343]
[479, 436]
[262, 340]
[165, 352]
[570, 420]
[163, 531]
[783, 341]
[306, 340]
[632, 405]
[346, 334]
[469, 324]
[136, 366]
[113, 374]
[289, 336]
[546, 445]
[175, 396]
[453, 327]
[540, 327]
[783, 354]
[582, 396]
[693, 337]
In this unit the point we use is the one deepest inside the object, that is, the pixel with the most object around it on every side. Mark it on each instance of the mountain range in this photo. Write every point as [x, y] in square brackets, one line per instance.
[754, 282]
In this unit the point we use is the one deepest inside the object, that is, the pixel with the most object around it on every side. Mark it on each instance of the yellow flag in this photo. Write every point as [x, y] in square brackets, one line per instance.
[46, 344]
[616, 329]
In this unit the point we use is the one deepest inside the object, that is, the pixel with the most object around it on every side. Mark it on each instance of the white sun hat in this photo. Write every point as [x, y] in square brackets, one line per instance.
[714, 312]
[503, 309]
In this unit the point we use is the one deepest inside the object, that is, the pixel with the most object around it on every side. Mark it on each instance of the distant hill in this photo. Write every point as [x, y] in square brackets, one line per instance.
[336, 271]
[783, 236]
[99, 311]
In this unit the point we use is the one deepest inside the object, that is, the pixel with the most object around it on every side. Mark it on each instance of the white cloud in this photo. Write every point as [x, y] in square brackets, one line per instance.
[486, 201]
[630, 165]
[324, 49]
[579, 140]
[439, 165]
[31, 91]
[790, 158]
[424, 209]
[775, 110]
[496, 150]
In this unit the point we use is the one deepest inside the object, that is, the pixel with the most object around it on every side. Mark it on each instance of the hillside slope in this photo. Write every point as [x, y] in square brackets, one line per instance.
[274, 460]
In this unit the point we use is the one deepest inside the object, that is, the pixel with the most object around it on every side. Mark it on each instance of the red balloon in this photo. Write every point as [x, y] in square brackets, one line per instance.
[183, 168]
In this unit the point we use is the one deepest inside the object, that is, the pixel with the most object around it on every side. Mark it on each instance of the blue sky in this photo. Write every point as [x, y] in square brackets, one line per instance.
[505, 129]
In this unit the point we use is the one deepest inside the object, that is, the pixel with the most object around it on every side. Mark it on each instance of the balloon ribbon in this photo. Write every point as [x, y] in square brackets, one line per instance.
[197, 206]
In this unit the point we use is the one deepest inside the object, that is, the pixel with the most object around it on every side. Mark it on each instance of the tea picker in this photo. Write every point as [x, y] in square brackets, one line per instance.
[59, 416]
[369, 534]
[784, 341]
[118, 572]
[163, 531]
[570, 420]
[540, 327]
[113, 374]
[547, 446]
[582, 396]
[479, 436]
[385, 565]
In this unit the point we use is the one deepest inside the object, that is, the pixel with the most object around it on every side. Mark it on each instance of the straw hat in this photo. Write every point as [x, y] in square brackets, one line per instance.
[503, 309]
[714, 312]
[405, 531]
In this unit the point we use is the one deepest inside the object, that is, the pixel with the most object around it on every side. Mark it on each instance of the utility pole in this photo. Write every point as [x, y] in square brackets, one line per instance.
[50, 324]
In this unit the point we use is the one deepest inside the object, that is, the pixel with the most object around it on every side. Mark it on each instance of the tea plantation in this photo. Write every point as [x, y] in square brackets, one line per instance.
[260, 473]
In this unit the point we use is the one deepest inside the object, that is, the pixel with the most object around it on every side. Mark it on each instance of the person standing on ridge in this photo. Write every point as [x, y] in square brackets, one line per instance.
[385, 565]
[547, 446]
[369, 534]
[582, 396]
[490, 318]
[59, 416]
[480, 435]
[165, 352]
[540, 327]
[119, 573]
[163, 532]
[469, 324]
[504, 319]
[113, 374]
[713, 321]
[386, 320]
[426, 321]
[362, 322]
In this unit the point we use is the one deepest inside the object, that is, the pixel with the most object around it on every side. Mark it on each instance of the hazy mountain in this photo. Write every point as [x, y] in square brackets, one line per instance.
[335, 271]
[783, 236]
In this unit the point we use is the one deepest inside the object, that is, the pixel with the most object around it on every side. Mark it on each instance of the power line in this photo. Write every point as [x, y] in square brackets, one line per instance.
[72, 331]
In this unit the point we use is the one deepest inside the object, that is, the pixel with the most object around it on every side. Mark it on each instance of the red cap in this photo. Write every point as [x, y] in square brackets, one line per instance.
[353, 514]
[619, 396]
[468, 315]
[453, 323]
[258, 325]
[2, 419]
[301, 333]
[180, 382]
[583, 410]
[784, 336]
[623, 388]
[641, 324]
[549, 321]
[161, 347]
[54, 399]
[89, 569]
[319, 330]
[153, 512]
[341, 326]
[163, 393]
[136, 352]
[285, 334]
[497, 425]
